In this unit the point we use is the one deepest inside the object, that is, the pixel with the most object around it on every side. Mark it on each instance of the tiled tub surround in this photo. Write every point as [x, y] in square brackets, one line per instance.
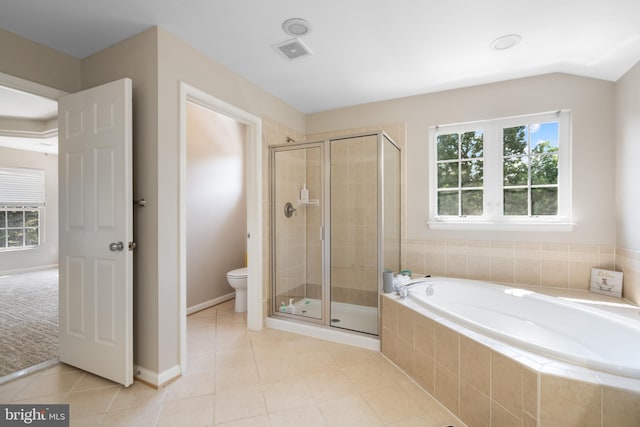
[488, 383]
[553, 265]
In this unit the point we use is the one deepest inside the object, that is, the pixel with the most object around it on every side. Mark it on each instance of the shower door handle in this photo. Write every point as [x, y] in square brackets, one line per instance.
[321, 233]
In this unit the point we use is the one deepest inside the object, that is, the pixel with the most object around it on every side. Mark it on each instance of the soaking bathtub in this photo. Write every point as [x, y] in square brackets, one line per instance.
[546, 325]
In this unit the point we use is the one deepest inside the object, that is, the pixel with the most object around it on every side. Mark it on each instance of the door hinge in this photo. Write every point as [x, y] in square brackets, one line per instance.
[132, 245]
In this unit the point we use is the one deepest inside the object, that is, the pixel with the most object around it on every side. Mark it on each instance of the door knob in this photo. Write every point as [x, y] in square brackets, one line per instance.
[116, 247]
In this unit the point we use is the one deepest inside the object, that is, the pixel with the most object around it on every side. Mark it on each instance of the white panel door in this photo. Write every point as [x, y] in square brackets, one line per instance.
[96, 280]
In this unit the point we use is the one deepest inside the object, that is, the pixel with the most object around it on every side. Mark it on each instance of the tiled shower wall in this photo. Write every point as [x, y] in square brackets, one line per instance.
[352, 291]
[354, 277]
[354, 221]
[273, 133]
[290, 268]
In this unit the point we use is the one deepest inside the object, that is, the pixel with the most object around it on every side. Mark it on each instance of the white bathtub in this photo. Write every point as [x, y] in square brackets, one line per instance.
[542, 324]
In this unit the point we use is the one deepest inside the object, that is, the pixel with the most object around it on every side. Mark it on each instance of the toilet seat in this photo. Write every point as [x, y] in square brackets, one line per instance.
[238, 273]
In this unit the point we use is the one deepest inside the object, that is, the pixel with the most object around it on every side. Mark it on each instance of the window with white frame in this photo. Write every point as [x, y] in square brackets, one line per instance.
[506, 173]
[22, 197]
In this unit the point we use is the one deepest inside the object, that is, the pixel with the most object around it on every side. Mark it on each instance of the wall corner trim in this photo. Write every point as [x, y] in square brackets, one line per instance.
[154, 378]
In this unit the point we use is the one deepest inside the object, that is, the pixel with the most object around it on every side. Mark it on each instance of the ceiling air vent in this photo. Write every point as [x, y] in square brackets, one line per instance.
[292, 49]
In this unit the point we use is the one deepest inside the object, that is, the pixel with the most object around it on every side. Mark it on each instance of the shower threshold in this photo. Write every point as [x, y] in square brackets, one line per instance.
[328, 333]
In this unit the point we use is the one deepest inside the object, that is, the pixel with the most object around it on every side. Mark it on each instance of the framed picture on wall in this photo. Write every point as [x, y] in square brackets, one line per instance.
[606, 282]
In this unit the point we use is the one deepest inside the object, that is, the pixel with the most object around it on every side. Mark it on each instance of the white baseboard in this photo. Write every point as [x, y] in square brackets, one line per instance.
[324, 333]
[210, 303]
[154, 378]
[27, 270]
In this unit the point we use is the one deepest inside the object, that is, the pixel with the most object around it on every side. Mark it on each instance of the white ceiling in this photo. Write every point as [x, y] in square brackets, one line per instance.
[15, 103]
[363, 50]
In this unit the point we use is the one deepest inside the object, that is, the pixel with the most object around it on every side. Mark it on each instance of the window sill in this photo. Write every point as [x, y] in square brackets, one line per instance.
[563, 227]
[18, 248]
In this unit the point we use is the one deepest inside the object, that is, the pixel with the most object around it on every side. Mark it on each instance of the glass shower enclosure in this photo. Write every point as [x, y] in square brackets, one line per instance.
[335, 226]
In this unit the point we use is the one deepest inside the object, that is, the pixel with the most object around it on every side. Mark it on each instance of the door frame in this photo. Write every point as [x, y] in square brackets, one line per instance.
[253, 175]
[31, 87]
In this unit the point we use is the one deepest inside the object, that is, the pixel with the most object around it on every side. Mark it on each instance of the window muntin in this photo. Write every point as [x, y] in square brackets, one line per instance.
[19, 227]
[530, 169]
[22, 200]
[460, 173]
[524, 167]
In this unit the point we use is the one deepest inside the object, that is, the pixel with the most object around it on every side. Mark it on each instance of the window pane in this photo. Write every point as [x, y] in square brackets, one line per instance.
[3, 216]
[544, 137]
[448, 175]
[544, 169]
[3, 238]
[448, 146]
[516, 171]
[471, 173]
[516, 201]
[31, 219]
[544, 201]
[15, 218]
[15, 237]
[471, 145]
[514, 140]
[472, 202]
[31, 237]
[448, 203]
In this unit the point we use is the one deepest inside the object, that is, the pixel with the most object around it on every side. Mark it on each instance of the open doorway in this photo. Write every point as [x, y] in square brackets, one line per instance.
[216, 205]
[252, 128]
[28, 226]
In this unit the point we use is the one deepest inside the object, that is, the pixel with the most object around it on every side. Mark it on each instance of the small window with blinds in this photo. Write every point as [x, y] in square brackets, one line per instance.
[22, 197]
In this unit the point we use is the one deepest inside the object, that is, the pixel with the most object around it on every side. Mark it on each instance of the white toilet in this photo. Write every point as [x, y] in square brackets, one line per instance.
[238, 280]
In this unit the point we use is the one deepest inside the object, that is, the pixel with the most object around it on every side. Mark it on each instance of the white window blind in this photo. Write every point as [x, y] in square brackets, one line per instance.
[22, 187]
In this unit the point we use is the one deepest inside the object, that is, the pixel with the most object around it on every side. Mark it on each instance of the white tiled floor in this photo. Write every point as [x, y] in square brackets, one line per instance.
[241, 378]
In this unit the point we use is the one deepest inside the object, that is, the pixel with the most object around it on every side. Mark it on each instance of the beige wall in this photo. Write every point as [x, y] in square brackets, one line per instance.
[157, 62]
[591, 102]
[627, 174]
[31, 61]
[47, 253]
[178, 61]
[37, 63]
[216, 203]
[136, 58]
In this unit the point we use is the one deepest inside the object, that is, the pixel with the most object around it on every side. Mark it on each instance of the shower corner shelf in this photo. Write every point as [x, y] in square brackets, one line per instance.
[310, 202]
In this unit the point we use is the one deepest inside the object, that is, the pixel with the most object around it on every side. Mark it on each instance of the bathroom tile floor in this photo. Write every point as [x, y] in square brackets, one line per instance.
[237, 377]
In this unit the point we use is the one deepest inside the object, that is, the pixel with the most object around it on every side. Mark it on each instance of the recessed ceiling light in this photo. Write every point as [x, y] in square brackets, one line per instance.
[296, 27]
[506, 42]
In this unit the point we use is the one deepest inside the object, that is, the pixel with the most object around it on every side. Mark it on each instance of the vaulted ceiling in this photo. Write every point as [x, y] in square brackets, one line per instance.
[362, 50]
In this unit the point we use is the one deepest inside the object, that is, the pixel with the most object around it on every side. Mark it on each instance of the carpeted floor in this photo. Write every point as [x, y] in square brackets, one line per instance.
[28, 319]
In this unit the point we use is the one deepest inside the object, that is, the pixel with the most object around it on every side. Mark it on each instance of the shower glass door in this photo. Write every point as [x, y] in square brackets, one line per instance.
[354, 271]
[297, 230]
